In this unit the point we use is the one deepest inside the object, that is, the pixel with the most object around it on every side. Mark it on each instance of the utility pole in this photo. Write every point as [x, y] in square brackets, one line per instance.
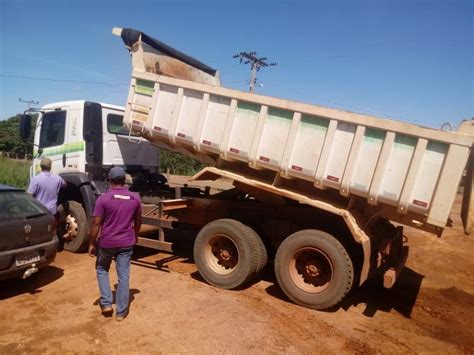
[256, 65]
[29, 103]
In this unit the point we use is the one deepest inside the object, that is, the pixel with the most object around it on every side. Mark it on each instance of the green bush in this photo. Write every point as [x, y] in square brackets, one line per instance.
[178, 164]
[14, 172]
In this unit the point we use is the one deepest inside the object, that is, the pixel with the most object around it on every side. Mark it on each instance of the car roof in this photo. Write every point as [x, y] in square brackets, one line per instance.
[9, 188]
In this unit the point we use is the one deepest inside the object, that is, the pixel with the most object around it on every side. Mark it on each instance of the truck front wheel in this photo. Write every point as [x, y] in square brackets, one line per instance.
[314, 269]
[228, 253]
[73, 228]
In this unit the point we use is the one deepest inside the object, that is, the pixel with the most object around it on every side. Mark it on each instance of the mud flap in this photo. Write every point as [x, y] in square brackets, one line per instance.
[396, 256]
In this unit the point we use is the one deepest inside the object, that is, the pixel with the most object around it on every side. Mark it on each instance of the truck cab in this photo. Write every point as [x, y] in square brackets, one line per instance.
[85, 140]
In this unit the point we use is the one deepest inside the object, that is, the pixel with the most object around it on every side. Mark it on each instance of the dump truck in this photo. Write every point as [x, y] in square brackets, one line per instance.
[325, 192]
[321, 193]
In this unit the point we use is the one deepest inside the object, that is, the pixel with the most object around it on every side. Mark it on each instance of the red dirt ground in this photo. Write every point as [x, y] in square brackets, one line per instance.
[431, 308]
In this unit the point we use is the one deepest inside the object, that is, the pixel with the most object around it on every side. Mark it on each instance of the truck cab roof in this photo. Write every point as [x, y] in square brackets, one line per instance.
[78, 104]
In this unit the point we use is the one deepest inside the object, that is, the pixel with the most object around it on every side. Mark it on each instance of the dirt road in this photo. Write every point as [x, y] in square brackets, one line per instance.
[431, 309]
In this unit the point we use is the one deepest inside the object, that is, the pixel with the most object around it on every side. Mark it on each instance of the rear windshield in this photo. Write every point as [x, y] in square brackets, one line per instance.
[19, 205]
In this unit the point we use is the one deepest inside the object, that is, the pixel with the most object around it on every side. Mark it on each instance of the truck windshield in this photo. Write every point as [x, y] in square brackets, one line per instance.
[115, 125]
[52, 129]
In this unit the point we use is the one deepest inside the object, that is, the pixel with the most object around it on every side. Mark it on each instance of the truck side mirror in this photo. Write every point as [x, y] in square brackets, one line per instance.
[25, 127]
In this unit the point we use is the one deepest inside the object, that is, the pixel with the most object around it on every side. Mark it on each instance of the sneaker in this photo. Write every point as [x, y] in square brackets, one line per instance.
[107, 311]
[119, 318]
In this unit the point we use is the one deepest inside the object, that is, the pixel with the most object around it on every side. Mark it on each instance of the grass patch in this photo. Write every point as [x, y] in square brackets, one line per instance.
[17, 172]
[14, 172]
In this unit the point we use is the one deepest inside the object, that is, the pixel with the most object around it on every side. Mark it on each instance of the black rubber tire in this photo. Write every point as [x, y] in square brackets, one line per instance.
[261, 250]
[80, 242]
[339, 284]
[247, 243]
[262, 254]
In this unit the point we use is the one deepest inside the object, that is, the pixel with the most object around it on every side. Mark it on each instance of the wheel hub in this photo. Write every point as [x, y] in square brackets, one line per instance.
[225, 255]
[222, 254]
[311, 270]
[71, 228]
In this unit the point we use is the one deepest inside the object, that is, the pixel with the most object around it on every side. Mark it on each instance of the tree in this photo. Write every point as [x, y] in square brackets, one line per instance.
[10, 139]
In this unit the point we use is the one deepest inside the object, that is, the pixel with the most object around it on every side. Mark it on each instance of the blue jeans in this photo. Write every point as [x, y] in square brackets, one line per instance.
[122, 263]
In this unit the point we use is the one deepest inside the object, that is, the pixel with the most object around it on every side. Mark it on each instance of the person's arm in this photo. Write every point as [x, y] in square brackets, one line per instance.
[137, 221]
[63, 183]
[32, 187]
[94, 232]
[96, 223]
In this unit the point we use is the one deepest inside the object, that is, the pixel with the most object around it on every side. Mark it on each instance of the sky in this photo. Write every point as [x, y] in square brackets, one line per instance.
[404, 60]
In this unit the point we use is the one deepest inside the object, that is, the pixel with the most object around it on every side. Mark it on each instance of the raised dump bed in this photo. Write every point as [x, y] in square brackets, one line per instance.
[411, 168]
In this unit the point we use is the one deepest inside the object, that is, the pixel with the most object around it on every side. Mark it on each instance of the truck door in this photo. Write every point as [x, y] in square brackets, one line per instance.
[120, 150]
[52, 139]
[60, 140]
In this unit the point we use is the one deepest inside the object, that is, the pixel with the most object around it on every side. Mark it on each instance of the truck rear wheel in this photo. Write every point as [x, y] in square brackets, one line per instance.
[262, 254]
[73, 226]
[228, 253]
[314, 269]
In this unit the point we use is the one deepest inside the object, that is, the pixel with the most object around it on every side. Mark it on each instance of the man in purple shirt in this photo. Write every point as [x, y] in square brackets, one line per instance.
[45, 186]
[117, 215]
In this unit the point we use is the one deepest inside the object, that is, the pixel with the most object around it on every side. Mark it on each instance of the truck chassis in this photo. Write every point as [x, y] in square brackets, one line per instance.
[319, 254]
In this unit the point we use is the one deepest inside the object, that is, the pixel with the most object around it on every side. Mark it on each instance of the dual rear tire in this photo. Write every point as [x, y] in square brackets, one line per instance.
[229, 254]
[312, 267]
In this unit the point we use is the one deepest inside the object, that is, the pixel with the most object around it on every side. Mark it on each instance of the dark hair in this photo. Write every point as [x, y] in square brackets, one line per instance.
[118, 181]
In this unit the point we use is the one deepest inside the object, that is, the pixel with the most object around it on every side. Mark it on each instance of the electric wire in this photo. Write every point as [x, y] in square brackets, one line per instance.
[62, 80]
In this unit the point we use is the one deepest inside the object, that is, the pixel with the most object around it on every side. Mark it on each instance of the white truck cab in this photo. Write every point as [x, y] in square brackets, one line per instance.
[85, 140]
[82, 136]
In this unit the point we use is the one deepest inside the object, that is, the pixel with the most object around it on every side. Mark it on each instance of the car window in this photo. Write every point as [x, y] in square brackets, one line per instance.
[19, 205]
[53, 125]
[115, 125]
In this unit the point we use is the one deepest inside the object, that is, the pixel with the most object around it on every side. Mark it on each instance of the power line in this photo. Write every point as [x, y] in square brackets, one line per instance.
[237, 82]
[61, 80]
[255, 63]
[330, 102]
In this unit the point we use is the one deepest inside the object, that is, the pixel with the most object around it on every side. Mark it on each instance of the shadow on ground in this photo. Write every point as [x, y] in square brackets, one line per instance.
[182, 253]
[133, 292]
[13, 287]
[401, 297]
